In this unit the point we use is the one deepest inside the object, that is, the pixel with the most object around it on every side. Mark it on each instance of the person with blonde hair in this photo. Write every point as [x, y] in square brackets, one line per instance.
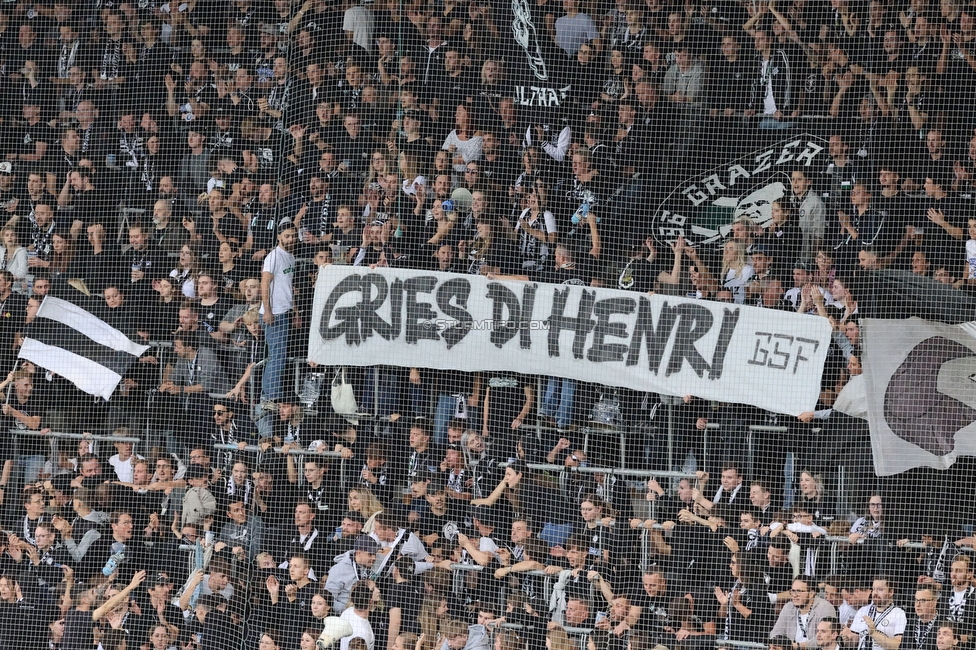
[362, 500]
[736, 271]
[432, 617]
[558, 639]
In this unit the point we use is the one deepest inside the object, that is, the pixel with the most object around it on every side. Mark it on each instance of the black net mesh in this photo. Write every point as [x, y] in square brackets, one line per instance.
[457, 325]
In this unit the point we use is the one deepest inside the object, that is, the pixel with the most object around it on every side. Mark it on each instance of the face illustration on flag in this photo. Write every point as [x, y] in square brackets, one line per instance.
[931, 395]
[703, 208]
[921, 392]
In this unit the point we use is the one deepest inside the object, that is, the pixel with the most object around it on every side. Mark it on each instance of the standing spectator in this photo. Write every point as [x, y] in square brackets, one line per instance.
[357, 616]
[23, 410]
[277, 304]
[358, 23]
[684, 86]
[772, 85]
[736, 272]
[810, 211]
[13, 311]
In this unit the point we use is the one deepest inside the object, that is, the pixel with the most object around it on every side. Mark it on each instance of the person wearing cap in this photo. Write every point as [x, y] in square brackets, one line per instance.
[157, 598]
[198, 502]
[349, 569]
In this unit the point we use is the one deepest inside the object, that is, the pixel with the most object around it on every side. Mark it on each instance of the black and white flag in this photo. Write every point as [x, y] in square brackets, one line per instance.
[85, 350]
[921, 392]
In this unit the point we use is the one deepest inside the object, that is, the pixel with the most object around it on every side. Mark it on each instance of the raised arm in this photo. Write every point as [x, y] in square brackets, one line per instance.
[120, 597]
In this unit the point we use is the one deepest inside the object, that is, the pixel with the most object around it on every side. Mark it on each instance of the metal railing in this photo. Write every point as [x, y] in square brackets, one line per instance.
[260, 451]
[53, 436]
[73, 436]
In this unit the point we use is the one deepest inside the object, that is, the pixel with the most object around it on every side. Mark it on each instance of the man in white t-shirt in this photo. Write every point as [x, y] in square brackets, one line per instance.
[879, 625]
[124, 462]
[361, 601]
[277, 305]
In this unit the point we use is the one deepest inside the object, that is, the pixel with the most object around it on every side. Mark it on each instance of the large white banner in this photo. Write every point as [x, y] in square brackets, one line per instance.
[674, 346]
[921, 392]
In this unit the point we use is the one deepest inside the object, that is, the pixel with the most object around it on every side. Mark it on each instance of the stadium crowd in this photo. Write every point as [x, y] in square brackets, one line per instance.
[183, 171]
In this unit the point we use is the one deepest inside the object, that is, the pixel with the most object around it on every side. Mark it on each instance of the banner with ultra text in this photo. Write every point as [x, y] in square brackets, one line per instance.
[662, 344]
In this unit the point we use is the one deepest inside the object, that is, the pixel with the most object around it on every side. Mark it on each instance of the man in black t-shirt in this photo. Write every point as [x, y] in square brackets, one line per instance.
[304, 536]
[653, 600]
[316, 219]
[262, 223]
[32, 139]
[422, 457]
[943, 219]
[438, 523]
[320, 490]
